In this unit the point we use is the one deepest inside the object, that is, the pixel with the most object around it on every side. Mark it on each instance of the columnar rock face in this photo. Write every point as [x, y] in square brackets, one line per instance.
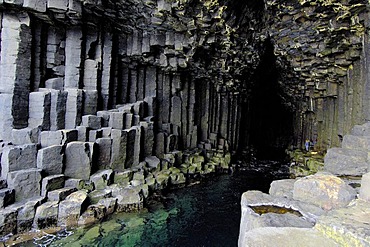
[94, 86]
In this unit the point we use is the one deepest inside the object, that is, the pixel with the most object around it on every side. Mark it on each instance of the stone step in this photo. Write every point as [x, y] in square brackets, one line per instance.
[348, 226]
[285, 236]
[361, 130]
[343, 161]
[356, 142]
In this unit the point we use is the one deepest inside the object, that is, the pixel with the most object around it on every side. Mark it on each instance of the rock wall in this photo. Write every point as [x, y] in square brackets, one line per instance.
[93, 93]
[323, 46]
[90, 85]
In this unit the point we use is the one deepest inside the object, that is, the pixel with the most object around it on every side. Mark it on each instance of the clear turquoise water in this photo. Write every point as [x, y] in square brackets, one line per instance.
[205, 214]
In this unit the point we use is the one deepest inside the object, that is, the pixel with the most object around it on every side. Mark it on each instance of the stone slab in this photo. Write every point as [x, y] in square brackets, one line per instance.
[340, 161]
[79, 160]
[50, 159]
[26, 183]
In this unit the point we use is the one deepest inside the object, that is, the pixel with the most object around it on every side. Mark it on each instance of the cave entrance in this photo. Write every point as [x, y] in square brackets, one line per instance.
[269, 120]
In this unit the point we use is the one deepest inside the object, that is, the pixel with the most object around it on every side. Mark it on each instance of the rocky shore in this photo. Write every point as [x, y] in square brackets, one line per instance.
[327, 208]
[69, 203]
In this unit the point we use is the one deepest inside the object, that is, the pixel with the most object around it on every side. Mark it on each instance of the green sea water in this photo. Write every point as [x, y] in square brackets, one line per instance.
[204, 214]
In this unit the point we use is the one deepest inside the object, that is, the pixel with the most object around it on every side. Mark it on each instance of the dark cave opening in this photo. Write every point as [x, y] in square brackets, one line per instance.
[269, 122]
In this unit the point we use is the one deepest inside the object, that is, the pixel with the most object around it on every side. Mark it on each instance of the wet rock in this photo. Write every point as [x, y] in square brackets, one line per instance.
[257, 198]
[109, 203]
[46, 215]
[7, 197]
[151, 182]
[26, 213]
[102, 179]
[93, 214]
[324, 190]
[71, 208]
[52, 183]
[129, 199]
[8, 221]
[123, 177]
[162, 179]
[96, 195]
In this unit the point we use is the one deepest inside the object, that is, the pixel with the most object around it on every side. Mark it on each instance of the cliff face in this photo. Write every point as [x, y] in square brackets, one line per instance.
[323, 47]
[174, 54]
[117, 52]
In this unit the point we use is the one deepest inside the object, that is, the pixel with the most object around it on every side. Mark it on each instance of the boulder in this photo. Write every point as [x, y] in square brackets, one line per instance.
[283, 188]
[93, 214]
[123, 177]
[26, 213]
[324, 190]
[129, 199]
[8, 221]
[356, 142]
[71, 208]
[46, 215]
[162, 180]
[340, 161]
[109, 203]
[153, 163]
[177, 178]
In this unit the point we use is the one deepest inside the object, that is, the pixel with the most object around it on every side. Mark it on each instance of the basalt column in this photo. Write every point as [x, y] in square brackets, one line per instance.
[14, 71]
